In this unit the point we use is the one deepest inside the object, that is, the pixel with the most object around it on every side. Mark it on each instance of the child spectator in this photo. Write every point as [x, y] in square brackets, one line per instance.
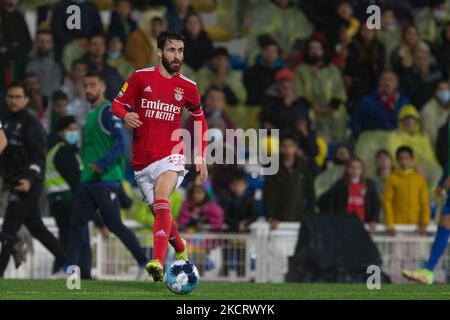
[355, 194]
[406, 195]
[383, 169]
[198, 210]
[240, 208]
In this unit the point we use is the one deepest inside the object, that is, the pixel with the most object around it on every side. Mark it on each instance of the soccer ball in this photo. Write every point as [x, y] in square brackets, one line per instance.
[181, 277]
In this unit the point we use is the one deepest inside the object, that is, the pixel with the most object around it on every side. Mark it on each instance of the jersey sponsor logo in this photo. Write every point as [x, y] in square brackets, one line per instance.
[179, 94]
[148, 89]
[160, 233]
[160, 110]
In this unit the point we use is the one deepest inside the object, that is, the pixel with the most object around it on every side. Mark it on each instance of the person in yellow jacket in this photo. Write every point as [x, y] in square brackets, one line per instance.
[406, 196]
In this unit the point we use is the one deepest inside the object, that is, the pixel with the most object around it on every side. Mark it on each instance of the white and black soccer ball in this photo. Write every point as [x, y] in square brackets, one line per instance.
[181, 277]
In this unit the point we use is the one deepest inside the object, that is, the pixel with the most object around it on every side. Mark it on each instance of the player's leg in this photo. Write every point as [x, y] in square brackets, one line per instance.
[82, 211]
[437, 250]
[107, 200]
[164, 185]
[19, 204]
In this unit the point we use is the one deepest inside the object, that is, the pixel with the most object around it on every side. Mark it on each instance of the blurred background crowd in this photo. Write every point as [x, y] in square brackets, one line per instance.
[361, 112]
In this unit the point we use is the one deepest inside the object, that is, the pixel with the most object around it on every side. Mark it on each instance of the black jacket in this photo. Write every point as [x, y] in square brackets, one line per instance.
[197, 51]
[66, 162]
[239, 209]
[289, 193]
[24, 157]
[338, 196]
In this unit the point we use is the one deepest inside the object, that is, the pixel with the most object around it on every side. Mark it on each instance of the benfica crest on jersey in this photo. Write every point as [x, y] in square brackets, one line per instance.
[179, 94]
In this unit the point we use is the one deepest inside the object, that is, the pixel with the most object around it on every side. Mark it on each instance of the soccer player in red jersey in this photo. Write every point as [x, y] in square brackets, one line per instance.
[152, 102]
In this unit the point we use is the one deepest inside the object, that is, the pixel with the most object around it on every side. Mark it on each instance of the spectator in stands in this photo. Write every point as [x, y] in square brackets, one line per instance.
[436, 111]
[389, 34]
[355, 194]
[405, 198]
[213, 108]
[58, 108]
[409, 133]
[261, 75]
[335, 169]
[177, 14]
[15, 42]
[240, 208]
[38, 103]
[432, 19]
[198, 47]
[289, 193]
[306, 137]
[141, 45]
[218, 72]
[421, 80]
[383, 168]
[282, 20]
[95, 60]
[121, 24]
[321, 84]
[42, 62]
[91, 23]
[365, 62]
[443, 51]
[116, 58]
[3, 140]
[402, 56]
[74, 51]
[73, 87]
[199, 213]
[379, 110]
[342, 27]
[281, 102]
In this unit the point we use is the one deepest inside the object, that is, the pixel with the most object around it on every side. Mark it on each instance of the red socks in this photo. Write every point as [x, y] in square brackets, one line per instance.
[161, 229]
[175, 238]
[165, 229]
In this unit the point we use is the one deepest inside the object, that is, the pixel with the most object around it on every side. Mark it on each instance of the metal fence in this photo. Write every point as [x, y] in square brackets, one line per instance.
[260, 256]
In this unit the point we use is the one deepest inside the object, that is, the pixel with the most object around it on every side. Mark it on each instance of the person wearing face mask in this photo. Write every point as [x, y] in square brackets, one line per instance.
[42, 62]
[116, 58]
[436, 111]
[432, 19]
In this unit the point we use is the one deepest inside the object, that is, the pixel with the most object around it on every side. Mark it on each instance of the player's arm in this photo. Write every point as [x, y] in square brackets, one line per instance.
[196, 111]
[3, 140]
[122, 104]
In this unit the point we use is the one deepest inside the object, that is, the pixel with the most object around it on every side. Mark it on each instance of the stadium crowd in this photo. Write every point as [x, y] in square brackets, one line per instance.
[363, 114]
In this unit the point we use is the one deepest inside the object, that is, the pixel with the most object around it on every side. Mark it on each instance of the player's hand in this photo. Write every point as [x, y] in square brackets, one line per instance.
[24, 185]
[105, 233]
[372, 226]
[132, 120]
[94, 167]
[274, 223]
[200, 166]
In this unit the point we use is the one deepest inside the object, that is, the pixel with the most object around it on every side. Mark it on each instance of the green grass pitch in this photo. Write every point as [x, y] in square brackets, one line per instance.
[117, 290]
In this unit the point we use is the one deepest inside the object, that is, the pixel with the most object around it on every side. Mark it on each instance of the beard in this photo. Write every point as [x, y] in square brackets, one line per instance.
[170, 66]
[92, 98]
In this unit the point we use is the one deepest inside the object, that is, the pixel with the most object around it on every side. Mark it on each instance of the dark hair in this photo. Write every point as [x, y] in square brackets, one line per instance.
[220, 51]
[266, 40]
[191, 189]
[30, 75]
[444, 31]
[157, 18]
[363, 175]
[17, 84]
[78, 61]
[117, 1]
[407, 27]
[95, 75]
[435, 3]
[288, 135]
[382, 152]
[41, 31]
[98, 35]
[238, 176]
[59, 95]
[325, 48]
[212, 88]
[404, 149]
[164, 36]
[64, 122]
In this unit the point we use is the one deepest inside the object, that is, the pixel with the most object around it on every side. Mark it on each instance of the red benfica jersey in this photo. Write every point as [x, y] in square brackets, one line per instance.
[159, 102]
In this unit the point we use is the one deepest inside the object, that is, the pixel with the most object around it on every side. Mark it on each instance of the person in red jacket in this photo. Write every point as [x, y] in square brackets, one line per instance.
[151, 102]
